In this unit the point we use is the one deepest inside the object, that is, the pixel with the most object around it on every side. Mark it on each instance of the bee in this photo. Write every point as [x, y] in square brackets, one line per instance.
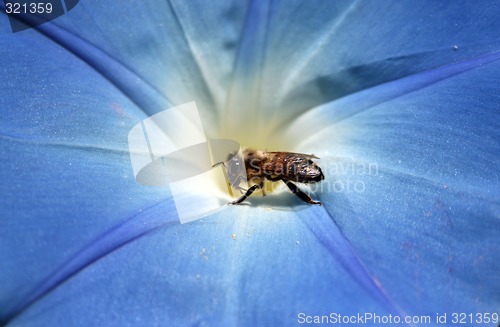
[287, 167]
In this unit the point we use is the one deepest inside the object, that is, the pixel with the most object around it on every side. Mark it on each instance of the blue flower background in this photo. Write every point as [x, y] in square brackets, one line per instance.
[412, 87]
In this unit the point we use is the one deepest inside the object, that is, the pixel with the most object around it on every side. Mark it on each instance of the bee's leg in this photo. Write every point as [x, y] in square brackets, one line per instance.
[246, 195]
[237, 184]
[304, 197]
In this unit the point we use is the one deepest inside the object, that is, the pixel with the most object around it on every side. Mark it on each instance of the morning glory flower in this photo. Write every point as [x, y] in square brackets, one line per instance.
[398, 99]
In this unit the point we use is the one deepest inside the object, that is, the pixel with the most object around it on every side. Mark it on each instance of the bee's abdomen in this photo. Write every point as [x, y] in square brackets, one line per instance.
[293, 167]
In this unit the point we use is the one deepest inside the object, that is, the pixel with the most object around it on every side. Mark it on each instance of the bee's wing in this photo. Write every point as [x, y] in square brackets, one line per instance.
[311, 156]
[308, 156]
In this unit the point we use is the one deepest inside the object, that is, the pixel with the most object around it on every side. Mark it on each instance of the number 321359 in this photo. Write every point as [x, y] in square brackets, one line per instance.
[28, 8]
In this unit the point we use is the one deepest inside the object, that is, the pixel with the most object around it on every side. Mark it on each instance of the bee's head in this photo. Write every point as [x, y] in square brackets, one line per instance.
[233, 163]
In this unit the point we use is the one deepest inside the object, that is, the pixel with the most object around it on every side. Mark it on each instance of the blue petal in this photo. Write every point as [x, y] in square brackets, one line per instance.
[65, 167]
[414, 163]
[352, 45]
[66, 173]
[65, 170]
[259, 269]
